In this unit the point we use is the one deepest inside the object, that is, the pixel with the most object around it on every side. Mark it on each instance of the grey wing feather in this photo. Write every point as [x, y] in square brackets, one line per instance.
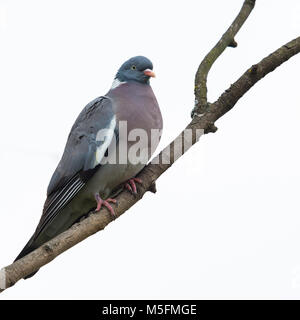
[81, 144]
[79, 157]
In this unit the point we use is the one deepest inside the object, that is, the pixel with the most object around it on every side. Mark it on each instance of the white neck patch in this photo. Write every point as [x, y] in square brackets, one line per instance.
[116, 83]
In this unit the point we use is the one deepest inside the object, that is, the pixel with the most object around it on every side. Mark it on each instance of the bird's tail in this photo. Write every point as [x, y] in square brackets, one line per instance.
[30, 246]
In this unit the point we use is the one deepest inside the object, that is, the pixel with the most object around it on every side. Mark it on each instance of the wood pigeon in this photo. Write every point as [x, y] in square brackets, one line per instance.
[82, 181]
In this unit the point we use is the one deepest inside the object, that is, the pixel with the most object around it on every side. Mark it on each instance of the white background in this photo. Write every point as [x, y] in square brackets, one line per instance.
[225, 220]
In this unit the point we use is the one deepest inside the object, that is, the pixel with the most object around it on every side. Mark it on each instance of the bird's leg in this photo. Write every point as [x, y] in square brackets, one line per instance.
[131, 186]
[105, 203]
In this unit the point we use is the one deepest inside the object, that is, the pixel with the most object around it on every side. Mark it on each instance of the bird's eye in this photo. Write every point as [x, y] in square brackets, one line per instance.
[133, 67]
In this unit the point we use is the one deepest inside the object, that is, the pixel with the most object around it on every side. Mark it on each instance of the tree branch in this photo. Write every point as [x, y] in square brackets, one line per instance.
[98, 221]
[227, 40]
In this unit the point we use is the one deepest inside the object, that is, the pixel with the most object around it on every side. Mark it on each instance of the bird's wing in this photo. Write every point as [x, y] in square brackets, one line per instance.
[81, 158]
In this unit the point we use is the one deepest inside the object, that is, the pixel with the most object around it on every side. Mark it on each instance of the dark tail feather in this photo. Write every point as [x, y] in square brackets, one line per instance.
[26, 250]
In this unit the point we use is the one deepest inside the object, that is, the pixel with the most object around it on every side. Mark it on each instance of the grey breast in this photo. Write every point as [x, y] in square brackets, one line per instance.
[136, 106]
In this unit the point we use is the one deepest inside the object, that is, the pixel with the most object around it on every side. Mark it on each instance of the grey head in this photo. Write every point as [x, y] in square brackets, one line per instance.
[138, 69]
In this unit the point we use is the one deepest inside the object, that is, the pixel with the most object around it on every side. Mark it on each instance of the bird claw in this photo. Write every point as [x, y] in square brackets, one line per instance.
[105, 203]
[131, 186]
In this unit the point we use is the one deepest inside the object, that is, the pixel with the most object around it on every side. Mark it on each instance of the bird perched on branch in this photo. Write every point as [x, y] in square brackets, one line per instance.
[83, 181]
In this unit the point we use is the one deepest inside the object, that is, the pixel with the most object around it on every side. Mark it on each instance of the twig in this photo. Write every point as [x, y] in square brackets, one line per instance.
[227, 40]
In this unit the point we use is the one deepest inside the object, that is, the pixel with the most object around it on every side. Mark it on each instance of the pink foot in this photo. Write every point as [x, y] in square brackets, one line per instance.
[131, 186]
[105, 203]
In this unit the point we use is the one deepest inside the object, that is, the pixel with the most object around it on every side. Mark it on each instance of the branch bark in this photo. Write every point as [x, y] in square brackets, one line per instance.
[98, 221]
[227, 40]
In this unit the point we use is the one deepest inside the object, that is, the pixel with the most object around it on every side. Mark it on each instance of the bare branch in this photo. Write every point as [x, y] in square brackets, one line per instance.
[227, 40]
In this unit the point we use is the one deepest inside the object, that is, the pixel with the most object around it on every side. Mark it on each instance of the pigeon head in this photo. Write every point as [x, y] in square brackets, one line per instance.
[136, 69]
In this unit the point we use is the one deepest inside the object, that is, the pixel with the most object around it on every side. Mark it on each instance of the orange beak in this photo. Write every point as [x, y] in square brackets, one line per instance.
[149, 73]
